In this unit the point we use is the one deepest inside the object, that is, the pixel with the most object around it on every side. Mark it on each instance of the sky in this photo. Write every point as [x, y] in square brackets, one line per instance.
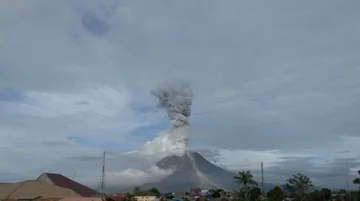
[273, 81]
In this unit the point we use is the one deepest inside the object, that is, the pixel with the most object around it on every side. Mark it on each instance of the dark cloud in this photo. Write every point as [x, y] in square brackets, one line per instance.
[94, 24]
[84, 102]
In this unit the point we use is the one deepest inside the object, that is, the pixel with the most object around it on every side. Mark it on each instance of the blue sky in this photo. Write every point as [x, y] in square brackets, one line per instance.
[273, 82]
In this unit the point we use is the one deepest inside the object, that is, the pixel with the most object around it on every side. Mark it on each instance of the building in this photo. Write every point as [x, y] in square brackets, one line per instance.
[32, 190]
[145, 197]
[81, 199]
[195, 191]
[118, 197]
[64, 182]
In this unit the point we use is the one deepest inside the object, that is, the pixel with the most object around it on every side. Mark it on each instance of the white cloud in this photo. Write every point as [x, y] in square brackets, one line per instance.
[135, 177]
[99, 100]
[245, 159]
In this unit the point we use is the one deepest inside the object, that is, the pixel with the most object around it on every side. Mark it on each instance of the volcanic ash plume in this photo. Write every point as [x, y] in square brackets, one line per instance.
[176, 98]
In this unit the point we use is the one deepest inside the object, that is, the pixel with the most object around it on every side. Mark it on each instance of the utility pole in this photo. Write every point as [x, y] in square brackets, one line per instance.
[347, 182]
[262, 178]
[74, 175]
[103, 174]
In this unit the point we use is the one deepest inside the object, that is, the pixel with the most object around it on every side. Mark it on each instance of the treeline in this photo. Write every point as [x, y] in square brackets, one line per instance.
[298, 188]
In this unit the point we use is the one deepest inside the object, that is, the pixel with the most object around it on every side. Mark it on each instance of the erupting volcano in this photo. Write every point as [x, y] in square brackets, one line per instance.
[190, 169]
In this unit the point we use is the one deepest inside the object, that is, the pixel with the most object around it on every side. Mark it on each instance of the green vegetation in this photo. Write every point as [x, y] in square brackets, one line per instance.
[326, 193]
[299, 186]
[130, 197]
[246, 184]
[137, 189]
[216, 193]
[154, 191]
[275, 194]
[357, 180]
[255, 193]
[187, 199]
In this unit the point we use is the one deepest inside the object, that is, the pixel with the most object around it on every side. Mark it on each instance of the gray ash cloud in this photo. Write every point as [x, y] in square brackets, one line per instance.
[176, 98]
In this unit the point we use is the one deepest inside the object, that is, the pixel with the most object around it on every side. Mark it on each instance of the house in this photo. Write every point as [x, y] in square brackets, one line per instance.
[195, 192]
[204, 192]
[81, 199]
[118, 197]
[32, 190]
[145, 197]
[64, 182]
[179, 194]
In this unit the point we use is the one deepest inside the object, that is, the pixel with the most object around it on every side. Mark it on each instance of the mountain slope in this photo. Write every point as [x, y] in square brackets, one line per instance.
[193, 171]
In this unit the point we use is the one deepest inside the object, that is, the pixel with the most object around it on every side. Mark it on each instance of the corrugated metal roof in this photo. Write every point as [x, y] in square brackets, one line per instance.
[7, 188]
[62, 181]
[32, 189]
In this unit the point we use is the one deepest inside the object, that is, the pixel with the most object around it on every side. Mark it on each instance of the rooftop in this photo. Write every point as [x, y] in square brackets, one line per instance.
[31, 189]
[62, 181]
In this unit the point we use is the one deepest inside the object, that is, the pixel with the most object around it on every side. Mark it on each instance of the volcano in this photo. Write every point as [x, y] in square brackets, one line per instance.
[193, 171]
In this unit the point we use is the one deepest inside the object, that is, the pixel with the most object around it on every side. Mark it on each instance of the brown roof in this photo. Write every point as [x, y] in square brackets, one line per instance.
[118, 197]
[62, 181]
[31, 189]
[48, 199]
[37, 199]
[81, 199]
[6, 189]
[144, 193]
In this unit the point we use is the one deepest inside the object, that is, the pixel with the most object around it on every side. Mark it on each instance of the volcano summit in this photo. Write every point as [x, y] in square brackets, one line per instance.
[193, 171]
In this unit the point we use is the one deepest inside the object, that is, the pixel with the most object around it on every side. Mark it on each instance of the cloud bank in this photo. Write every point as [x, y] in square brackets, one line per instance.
[274, 82]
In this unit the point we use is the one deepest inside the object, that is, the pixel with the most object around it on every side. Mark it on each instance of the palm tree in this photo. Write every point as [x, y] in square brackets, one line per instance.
[357, 180]
[245, 181]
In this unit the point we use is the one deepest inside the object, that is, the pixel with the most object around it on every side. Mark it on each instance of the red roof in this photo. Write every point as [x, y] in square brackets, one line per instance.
[118, 197]
[62, 181]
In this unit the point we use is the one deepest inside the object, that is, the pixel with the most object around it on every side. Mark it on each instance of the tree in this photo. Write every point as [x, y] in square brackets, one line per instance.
[357, 180]
[129, 197]
[154, 191]
[137, 189]
[255, 193]
[215, 194]
[316, 196]
[187, 199]
[344, 195]
[245, 181]
[276, 194]
[299, 186]
[326, 193]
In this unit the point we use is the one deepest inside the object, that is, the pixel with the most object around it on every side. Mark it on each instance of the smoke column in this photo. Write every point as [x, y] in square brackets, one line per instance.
[176, 99]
